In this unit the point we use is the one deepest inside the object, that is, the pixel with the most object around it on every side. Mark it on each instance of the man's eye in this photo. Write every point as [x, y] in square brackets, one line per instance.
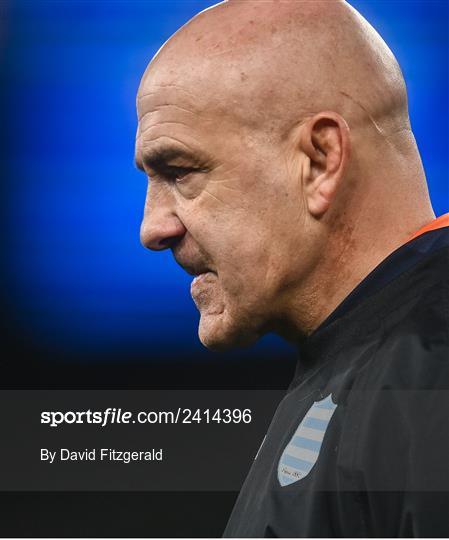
[176, 174]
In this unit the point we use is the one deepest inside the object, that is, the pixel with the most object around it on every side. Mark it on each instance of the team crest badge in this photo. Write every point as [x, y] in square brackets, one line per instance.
[301, 453]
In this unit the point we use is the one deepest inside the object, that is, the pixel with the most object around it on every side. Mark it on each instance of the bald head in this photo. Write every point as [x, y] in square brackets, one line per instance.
[277, 139]
[277, 62]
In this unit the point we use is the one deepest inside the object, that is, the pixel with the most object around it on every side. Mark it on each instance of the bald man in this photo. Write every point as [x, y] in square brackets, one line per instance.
[285, 177]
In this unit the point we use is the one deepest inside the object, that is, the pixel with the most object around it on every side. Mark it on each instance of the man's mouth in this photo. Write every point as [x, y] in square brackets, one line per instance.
[203, 276]
[195, 269]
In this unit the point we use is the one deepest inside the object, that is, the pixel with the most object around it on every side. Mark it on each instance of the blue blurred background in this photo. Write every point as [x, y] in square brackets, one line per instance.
[75, 277]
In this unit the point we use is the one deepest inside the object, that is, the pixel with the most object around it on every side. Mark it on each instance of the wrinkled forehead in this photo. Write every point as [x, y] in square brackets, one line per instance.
[188, 81]
[162, 88]
[204, 93]
[181, 103]
[177, 103]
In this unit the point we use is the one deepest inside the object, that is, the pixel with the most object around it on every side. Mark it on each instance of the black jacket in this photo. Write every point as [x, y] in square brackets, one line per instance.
[359, 446]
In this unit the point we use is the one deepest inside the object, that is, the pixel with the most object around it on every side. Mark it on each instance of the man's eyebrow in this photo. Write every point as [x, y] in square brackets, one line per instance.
[156, 157]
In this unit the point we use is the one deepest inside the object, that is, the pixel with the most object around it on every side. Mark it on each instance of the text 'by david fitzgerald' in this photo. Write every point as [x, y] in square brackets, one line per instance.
[100, 454]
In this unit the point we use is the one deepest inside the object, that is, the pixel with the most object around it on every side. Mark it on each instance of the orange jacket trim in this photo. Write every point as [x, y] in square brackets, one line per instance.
[438, 223]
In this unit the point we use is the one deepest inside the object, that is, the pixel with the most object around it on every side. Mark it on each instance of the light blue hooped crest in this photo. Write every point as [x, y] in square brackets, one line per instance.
[301, 453]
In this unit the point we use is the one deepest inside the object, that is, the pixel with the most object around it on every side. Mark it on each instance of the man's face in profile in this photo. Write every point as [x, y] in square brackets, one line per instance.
[222, 195]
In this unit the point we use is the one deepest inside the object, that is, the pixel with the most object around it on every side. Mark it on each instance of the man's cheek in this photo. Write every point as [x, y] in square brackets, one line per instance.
[233, 289]
[240, 300]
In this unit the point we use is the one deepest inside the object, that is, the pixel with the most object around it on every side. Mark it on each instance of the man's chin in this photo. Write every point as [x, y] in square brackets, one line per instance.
[217, 333]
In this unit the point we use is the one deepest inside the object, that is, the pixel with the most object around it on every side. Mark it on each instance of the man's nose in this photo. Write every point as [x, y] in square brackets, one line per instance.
[161, 228]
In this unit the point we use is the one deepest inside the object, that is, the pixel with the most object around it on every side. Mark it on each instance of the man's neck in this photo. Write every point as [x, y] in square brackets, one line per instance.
[346, 263]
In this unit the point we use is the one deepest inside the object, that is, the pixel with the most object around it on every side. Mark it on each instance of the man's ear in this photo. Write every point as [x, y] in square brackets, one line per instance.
[326, 144]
